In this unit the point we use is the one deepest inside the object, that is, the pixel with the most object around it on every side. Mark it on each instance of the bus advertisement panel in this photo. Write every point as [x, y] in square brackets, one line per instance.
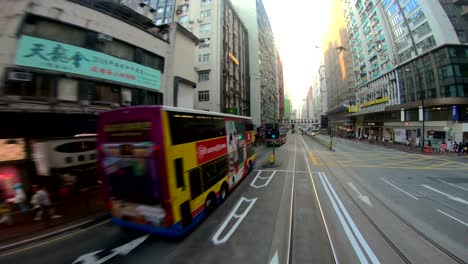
[166, 168]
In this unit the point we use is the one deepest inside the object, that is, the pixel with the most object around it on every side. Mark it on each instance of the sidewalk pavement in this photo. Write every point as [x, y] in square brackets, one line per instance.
[78, 211]
[324, 139]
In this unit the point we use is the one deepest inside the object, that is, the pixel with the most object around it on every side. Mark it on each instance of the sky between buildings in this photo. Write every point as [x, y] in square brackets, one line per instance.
[299, 26]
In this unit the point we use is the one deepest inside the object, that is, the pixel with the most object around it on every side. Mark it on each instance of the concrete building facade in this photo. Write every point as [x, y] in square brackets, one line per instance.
[222, 64]
[395, 45]
[64, 62]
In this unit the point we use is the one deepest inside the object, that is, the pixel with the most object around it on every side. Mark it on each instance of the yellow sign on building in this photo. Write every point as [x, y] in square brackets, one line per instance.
[233, 58]
[353, 109]
[374, 102]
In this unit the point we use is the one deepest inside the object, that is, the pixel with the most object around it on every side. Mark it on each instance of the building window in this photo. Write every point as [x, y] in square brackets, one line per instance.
[160, 10]
[411, 6]
[166, 20]
[205, 43]
[426, 43]
[183, 19]
[205, 27]
[422, 30]
[159, 21]
[203, 76]
[396, 19]
[204, 58]
[184, 7]
[417, 17]
[204, 96]
[40, 86]
[205, 13]
[205, 2]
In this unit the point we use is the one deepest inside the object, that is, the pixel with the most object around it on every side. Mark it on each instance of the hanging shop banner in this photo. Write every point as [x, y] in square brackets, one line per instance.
[57, 56]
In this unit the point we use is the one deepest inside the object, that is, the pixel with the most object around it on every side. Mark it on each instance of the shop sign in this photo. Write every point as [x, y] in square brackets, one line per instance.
[454, 113]
[374, 102]
[353, 109]
[57, 56]
[234, 59]
[432, 132]
[232, 111]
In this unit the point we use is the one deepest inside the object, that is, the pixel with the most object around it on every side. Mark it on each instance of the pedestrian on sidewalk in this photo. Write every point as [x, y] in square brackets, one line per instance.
[443, 148]
[43, 201]
[20, 197]
[460, 149]
[5, 216]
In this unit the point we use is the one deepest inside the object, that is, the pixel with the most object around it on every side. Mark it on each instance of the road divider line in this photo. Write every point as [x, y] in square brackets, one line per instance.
[454, 218]
[349, 234]
[458, 199]
[216, 240]
[356, 231]
[314, 160]
[401, 190]
[454, 185]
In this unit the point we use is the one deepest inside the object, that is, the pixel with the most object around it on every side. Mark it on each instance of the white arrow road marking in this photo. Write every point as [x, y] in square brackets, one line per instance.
[364, 198]
[274, 259]
[216, 240]
[348, 224]
[268, 179]
[123, 250]
[89, 258]
[458, 199]
[454, 185]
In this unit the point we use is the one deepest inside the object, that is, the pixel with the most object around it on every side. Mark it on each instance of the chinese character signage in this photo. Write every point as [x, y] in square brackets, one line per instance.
[51, 55]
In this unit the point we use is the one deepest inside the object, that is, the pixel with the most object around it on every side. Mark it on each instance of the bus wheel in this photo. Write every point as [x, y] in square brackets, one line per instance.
[223, 193]
[210, 203]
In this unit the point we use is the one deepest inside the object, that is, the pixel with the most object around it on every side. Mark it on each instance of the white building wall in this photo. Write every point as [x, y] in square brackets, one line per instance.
[214, 64]
[439, 22]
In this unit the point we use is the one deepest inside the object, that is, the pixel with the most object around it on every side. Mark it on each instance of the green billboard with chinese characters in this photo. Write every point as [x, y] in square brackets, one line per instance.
[51, 55]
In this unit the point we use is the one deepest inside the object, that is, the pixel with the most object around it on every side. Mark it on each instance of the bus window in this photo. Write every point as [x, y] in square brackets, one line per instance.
[195, 183]
[179, 171]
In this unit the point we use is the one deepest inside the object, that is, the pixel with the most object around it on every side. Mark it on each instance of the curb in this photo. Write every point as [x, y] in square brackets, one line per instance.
[33, 240]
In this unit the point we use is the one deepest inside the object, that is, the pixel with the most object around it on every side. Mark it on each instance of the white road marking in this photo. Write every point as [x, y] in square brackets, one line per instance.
[268, 179]
[356, 231]
[401, 190]
[274, 259]
[454, 185]
[459, 221]
[335, 258]
[286, 171]
[364, 198]
[345, 226]
[216, 240]
[458, 199]
[90, 258]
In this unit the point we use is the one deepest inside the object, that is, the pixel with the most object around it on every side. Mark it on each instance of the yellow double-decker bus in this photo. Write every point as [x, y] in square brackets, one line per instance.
[167, 168]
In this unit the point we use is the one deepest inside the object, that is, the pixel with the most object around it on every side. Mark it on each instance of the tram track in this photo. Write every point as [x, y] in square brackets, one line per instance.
[389, 210]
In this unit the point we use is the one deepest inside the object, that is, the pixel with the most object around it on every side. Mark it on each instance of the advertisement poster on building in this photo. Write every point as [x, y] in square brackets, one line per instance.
[400, 135]
[235, 135]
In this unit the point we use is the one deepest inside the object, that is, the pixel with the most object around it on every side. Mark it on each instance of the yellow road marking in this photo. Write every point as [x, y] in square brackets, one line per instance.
[406, 161]
[51, 240]
[314, 160]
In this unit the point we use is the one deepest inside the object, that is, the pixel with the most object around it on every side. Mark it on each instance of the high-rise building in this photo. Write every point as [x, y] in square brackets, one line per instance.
[323, 91]
[261, 46]
[268, 69]
[338, 72]
[280, 86]
[223, 56]
[407, 56]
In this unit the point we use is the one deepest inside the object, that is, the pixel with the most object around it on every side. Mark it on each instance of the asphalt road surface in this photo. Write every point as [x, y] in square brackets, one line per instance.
[357, 204]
